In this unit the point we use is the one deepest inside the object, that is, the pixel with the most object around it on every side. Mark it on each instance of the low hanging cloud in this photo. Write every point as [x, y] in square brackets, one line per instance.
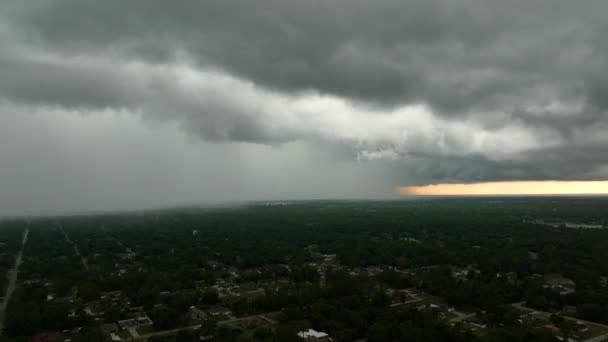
[434, 91]
[218, 107]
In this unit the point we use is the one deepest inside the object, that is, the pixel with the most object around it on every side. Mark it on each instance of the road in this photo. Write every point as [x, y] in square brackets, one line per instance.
[12, 282]
[76, 249]
[263, 316]
[145, 337]
[598, 338]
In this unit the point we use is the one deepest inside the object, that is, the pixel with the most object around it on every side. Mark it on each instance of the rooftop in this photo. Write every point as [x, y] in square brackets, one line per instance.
[311, 333]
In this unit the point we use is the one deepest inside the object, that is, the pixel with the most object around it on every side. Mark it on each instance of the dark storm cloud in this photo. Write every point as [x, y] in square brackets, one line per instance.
[39, 82]
[458, 55]
[517, 89]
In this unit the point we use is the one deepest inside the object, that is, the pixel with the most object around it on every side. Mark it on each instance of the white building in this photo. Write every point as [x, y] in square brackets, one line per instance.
[313, 335]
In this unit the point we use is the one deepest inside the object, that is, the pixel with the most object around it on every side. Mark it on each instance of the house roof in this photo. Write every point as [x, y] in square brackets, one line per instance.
[218, 309]
[311, 333]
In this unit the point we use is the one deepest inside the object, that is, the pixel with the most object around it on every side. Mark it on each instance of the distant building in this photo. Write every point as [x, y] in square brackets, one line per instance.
[139, 321]
[313, 335]
[328, 257]
[196, 314]
[112, 295]
[409, 239]
[254, 322]
[583, 226]
[109, 328]
[219, 310]
[533, 255]
[460, 274]
[569, 310]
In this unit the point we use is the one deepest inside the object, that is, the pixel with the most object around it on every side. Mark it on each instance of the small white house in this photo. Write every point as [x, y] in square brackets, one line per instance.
[313, 335]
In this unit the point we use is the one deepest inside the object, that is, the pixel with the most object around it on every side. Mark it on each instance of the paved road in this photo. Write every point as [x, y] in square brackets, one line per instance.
[145, 337]
[12, 281]
[598, 338]
[263, 316]
[76, 249]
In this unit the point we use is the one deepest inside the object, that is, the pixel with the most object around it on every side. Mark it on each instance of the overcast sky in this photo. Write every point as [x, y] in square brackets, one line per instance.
[119, 104]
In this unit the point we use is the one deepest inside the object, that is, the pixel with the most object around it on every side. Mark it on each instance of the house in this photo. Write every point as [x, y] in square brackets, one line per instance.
[328, 257]
[512, 277]
[144, 320]
[93, 309]
[533, 255]
[254, 322]
[141, 320]
[313, 335]
[476, 323]
[560, 281]
[446, 308]
[196, 314]
[219, 310]
[569, 310]
[109, 328]
[581, 327]
[128, 323]
[538, 318]
[112, 295]
[460, 274]
[583, 226]
[32, 281]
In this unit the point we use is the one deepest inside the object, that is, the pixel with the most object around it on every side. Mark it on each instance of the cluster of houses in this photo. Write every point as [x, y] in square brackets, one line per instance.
[543, 319]
[570, 225]
[231, 285]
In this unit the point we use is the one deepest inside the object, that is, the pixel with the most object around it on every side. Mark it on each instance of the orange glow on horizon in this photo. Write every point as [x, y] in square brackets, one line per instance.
[510, 188]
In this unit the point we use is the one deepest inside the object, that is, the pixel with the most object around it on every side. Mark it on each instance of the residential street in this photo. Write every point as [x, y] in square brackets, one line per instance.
[12, 284]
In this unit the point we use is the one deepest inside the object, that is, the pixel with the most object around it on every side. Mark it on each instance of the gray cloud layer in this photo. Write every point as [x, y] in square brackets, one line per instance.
[428, 91]
[458, 55]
